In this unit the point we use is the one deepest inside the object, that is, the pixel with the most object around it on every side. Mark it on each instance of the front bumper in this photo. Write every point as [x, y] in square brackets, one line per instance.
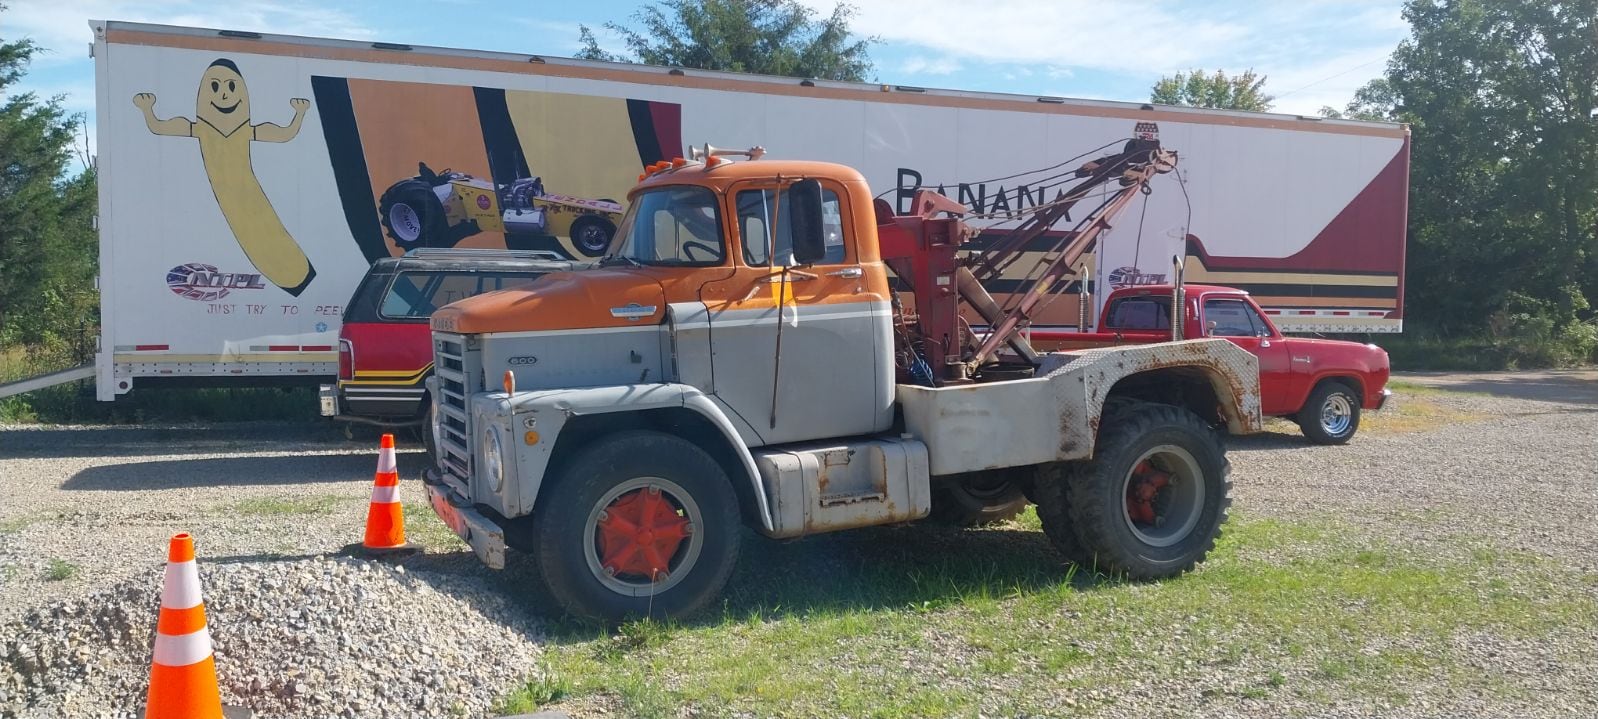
[485, 537]
[1381, 401]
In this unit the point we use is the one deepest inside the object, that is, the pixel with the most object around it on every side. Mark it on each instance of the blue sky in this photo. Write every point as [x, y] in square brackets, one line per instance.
[1313, 52]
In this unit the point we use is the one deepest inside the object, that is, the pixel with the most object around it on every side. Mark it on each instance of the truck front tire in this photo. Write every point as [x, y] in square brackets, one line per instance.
[637, 524]
[1151, 502]
[1331, 415]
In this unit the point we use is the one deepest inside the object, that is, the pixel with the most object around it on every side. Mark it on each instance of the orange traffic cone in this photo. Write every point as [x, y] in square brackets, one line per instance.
[183, 674]
[385, 520]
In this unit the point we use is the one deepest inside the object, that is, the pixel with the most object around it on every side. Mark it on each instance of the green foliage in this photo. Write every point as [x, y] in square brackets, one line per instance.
[770, 37]
[47, 243]
[1500, 96]
[1243, 91]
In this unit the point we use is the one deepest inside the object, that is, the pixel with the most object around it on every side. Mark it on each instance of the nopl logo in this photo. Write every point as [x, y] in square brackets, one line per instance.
[1121, 277]
[204, 283]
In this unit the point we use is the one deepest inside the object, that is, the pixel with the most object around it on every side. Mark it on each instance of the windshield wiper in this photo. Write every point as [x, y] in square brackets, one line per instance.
[606, 260]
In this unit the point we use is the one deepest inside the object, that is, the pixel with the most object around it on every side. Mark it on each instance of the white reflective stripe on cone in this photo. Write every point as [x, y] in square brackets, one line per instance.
[385, 460]
[181, 587]
[385, 495]
[183, 649]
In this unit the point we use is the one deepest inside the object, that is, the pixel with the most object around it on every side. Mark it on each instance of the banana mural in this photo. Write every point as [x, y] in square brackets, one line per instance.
[222, 109]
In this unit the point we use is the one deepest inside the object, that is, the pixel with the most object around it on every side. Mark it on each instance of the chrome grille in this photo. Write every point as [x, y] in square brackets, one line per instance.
[455, 364]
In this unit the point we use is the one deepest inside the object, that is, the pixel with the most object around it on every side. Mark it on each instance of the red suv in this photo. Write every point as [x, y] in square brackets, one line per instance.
[385, 349]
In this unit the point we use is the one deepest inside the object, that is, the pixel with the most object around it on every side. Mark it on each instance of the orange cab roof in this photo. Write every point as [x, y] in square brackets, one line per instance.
[730, 171]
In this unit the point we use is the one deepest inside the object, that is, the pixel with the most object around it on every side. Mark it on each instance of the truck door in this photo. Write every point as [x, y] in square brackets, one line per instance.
[1234, 319]
[825, 378]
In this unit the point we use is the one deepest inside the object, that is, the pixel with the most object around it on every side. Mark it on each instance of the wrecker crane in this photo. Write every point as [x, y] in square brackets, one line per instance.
[739, 356]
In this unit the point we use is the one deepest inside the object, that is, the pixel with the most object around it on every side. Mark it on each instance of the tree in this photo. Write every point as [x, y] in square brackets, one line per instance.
[47, 243]
[1221, 91]
[770, 37]
[1500, 97]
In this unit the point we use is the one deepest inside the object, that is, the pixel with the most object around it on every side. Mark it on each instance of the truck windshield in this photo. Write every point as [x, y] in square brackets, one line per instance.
[671, 226]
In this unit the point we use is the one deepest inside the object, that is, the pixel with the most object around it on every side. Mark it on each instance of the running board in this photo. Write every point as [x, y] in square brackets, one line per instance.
[46, 380]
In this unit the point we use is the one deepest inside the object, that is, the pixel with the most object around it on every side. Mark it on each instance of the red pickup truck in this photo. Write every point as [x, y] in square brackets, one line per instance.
[1321, 384]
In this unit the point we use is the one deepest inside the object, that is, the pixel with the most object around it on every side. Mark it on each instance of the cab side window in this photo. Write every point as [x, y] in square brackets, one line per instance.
[1233, 318]
[758, 208]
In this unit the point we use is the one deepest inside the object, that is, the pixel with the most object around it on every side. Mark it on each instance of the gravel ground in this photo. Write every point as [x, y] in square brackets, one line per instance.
[303, 631]
[300, 628]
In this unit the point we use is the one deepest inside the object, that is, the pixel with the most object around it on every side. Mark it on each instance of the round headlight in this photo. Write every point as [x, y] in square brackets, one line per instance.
[493, 459]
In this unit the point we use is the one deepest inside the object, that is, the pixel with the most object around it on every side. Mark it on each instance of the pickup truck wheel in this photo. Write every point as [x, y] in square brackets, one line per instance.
[638, 524]
[979, 501]
[1331, 416]
[1151, 502]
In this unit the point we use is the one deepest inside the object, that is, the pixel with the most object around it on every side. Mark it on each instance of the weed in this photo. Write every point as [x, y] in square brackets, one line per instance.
[281, 507]
[60, 570]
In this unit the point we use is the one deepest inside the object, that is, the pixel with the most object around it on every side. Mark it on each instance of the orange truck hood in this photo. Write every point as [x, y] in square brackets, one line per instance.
[596, 298]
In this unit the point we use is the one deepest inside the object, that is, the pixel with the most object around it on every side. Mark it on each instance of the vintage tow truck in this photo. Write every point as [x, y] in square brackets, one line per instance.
[740, 358]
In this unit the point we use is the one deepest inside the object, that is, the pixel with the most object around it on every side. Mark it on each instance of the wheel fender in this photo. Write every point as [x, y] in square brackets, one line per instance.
[549, 411]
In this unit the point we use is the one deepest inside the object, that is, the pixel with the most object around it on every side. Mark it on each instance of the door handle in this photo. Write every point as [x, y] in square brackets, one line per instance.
[849, 273]
[1265, 343]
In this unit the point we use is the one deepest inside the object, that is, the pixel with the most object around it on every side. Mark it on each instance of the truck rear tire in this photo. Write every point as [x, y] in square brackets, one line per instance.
[1151, 502]
[637, 524]
[978, 501]
[1330, 415]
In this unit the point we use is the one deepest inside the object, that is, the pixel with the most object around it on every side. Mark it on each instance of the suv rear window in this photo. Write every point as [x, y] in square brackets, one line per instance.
[417, 295]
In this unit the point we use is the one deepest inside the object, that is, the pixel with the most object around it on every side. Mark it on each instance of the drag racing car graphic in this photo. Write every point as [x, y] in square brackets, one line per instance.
[439, 209]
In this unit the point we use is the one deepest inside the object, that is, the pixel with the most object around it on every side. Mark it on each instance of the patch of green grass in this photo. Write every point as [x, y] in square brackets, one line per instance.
[919, 621]
[17, 524]
[60, 570]
[425, 528]
[533, 695]
[286, 506]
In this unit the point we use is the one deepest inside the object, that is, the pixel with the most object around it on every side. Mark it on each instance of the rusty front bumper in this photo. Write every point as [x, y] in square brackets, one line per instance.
[485, 537]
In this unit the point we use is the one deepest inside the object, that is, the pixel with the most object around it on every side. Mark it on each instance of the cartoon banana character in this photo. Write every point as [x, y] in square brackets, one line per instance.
[224, 131]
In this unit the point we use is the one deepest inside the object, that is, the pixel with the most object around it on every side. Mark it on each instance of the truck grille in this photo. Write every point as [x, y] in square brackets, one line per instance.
[455, 364]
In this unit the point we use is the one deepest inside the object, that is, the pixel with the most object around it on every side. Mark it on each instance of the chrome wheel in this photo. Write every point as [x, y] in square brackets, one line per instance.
[1337, 414]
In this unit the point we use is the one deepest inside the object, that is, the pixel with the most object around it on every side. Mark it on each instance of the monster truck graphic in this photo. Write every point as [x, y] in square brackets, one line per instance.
[439, 209]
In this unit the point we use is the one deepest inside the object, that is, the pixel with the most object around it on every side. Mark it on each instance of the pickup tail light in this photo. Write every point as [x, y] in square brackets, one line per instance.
[346, 360]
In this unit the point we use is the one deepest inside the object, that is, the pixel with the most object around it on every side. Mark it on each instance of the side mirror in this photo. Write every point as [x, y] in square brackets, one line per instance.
[804, 221]
[1209, 329]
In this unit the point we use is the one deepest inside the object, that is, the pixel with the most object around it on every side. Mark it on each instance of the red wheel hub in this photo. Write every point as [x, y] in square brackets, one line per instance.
[639, 533]
[1140, 492]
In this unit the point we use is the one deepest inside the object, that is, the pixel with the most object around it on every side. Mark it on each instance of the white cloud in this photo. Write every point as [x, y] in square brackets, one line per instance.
[1313, 52]
[62, 28]
[918, 65]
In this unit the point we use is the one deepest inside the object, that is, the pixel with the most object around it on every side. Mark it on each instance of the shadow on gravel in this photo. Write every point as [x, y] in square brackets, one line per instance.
[1571, 386]
[918, 566]
[238, 471]
[136, 441]
[1268, 441]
